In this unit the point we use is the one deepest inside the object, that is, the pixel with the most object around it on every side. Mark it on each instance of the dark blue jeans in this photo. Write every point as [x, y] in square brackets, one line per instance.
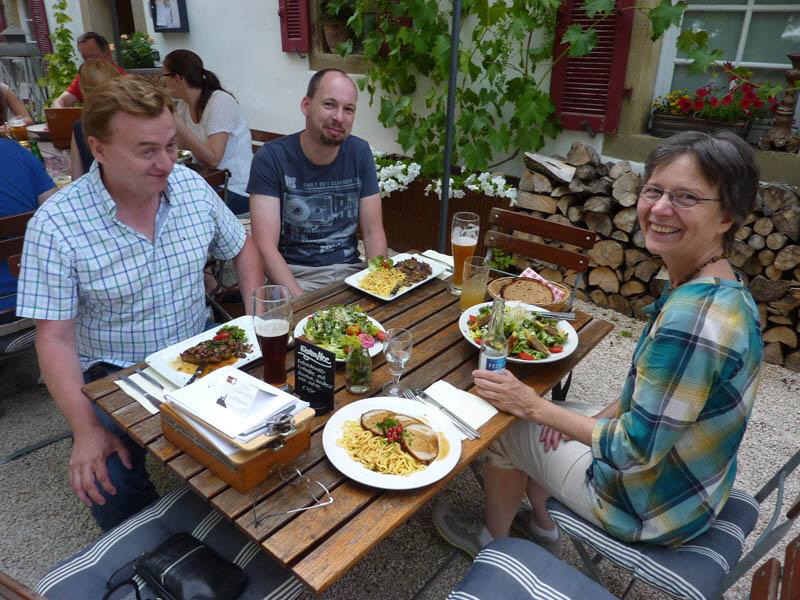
[134, 488]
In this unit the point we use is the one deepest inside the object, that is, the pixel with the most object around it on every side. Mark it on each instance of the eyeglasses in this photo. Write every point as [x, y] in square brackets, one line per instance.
[316, 490]
[164, 75]
[678, 198]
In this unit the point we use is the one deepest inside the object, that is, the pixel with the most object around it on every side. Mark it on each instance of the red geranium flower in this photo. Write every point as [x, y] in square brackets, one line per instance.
[702, 92]
[698, 105]
[746, 103]
[726, 99]
[685, 105]
[758, 103]
[714, 101]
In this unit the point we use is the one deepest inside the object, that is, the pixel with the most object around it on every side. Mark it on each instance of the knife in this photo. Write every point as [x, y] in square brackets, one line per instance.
[422, 394]
[196, 374]
[150, 379]
[137, 388]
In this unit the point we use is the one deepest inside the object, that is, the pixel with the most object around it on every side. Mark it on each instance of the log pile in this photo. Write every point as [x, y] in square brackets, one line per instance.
[581, 190]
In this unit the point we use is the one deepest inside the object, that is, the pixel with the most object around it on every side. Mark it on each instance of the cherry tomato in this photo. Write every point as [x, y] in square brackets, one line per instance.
[472, 319]
[525, 356]
[478, 341]
[222, 335]
[353, 330]
[380, 335]
[556, 348]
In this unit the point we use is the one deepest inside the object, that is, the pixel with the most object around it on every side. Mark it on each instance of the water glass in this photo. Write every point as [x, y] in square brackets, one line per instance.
[476, 275]
[397, 351]
[272, 319]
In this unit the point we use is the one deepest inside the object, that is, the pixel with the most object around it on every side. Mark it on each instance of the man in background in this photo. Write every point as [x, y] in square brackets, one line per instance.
[91, 46]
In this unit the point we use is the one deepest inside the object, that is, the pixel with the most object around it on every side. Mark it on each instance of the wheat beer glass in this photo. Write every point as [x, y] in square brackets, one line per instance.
[464, 240]
[272, 318]
[476, 274]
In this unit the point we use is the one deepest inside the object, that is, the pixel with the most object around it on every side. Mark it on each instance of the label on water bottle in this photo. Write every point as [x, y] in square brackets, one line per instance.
[491, 364]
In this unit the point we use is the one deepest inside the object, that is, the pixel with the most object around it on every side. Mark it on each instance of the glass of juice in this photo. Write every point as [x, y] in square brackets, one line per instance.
[272, 319]
[475, 276]
[464, 241]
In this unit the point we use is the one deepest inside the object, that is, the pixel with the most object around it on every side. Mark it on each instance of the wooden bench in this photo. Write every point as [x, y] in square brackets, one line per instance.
[262, 137]
[771, 582]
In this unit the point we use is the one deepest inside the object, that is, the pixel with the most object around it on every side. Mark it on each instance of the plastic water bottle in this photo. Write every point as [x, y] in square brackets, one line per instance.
[494, 346]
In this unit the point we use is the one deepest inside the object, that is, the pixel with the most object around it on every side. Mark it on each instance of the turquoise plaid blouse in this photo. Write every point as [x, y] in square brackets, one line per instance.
[664, 466]
[129, 296]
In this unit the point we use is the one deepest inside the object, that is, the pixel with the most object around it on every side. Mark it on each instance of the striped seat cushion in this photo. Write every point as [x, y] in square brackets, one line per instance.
[85, 574]
[515, 569]
[693, 571]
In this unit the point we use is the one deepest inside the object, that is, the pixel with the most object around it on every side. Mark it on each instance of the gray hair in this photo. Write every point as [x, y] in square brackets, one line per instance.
[725, 160]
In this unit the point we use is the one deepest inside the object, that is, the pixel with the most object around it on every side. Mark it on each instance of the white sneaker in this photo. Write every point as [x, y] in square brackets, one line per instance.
[522, 524]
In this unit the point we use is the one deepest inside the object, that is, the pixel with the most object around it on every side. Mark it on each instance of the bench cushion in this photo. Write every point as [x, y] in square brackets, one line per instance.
[85, 574]
[693, 571]
[515, 569]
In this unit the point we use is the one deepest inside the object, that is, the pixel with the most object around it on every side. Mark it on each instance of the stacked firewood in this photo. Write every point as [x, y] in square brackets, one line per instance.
[581, 190]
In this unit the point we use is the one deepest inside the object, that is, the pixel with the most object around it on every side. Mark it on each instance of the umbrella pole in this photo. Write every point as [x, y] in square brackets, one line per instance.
[444, 206]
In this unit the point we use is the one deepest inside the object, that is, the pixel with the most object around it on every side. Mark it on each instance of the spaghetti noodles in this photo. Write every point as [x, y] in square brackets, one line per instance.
[376, 453]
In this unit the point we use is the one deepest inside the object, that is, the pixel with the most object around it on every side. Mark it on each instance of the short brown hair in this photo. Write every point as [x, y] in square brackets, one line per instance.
[129, 94]
[316, 80]
[93, 74]
[101, 42]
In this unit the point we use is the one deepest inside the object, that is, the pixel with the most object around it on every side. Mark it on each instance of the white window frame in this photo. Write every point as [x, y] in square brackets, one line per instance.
[669, 49]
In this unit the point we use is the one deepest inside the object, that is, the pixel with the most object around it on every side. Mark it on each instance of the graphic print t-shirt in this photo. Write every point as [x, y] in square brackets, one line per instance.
[319, 204]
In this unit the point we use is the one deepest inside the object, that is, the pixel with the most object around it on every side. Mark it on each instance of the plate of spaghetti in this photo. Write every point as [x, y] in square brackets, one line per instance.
[391, 443]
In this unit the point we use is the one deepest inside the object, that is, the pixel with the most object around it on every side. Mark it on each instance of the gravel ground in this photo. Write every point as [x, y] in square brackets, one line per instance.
[43, 522]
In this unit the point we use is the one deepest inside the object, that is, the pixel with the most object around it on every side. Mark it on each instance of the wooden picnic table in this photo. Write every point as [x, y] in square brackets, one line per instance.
[322, 544]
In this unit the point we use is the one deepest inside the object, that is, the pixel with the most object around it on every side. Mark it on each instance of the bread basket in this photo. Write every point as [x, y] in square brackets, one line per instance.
[495, 286]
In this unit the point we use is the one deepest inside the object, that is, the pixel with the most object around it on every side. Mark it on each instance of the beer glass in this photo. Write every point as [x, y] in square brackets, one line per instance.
[464, 240]
[272, 319]
[397, 351]
[19, 130]
[476, 274]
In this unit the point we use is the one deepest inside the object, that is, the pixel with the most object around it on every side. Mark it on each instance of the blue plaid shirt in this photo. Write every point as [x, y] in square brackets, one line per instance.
[665, 465]
[129, 296]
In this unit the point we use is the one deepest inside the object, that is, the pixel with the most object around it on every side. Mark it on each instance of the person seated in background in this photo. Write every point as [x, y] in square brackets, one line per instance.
[10, 105]
[210, 122]
[112, 270]
[93, 73]
[309, 191]
[24, 185]
[91, 46]
[658, 464]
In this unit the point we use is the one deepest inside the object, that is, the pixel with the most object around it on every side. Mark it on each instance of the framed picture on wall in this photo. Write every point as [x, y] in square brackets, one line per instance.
[169, 15]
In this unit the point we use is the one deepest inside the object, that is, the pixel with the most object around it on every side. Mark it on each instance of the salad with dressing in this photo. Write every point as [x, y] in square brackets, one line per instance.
[530, 337]
[338, 328]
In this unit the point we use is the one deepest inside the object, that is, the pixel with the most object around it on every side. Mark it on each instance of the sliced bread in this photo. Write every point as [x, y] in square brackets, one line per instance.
[527, 290]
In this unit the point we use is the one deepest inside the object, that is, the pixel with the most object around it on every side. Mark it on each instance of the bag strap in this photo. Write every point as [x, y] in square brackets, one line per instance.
[112, 587]
[122, 584]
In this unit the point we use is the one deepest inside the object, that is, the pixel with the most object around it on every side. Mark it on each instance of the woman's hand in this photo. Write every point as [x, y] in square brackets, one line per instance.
[507, 393]
[550, 438]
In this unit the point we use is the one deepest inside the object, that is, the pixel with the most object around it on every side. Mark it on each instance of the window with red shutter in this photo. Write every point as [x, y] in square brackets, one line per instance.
[587, 91]
[41, 30]
[295, 30]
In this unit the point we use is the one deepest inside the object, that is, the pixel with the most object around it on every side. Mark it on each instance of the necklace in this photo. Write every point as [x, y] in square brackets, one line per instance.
[692, 275]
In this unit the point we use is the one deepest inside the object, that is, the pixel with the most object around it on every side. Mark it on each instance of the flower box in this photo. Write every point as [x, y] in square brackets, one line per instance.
[665, 125]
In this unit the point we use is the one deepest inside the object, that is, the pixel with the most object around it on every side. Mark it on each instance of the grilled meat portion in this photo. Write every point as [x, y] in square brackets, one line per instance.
[414, 270]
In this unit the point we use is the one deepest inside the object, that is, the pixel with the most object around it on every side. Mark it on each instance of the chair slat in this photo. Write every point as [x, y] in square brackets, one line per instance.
[11, 246]
[791, 571]
[556, 231]
[15, 264]
[766, 581]
[263, 137]
[14, 225]
[507, 243]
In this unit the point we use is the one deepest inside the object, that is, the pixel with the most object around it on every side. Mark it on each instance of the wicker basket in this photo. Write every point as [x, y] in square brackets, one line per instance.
[495, 286]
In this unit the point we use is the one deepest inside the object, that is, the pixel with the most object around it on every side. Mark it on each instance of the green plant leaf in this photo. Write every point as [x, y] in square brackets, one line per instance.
[593, 7]
[580, 41]
[665, 15]
[702, 59]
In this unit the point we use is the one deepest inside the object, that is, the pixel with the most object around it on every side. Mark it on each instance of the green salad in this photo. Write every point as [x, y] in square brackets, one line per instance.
[340, 327]
[530, 337]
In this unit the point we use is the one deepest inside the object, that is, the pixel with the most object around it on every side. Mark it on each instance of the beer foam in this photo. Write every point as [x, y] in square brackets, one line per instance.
[464, 240]
[271, 327]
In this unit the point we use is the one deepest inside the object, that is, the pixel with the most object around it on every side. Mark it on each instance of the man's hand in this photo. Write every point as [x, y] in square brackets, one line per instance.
[506, 392]
[87, 464]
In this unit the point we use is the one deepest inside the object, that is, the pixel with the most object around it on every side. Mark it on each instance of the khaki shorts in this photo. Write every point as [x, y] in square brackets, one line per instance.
[562, 472]
[313, 278]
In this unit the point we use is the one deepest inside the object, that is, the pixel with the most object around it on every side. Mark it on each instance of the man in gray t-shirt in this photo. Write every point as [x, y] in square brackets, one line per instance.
[309, 192]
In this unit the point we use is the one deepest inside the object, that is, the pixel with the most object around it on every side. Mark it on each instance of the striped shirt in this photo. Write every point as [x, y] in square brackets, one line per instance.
[129, 296]
[665, 465]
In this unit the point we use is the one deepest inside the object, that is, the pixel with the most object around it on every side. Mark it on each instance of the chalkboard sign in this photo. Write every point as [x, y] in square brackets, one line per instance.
[314, 370]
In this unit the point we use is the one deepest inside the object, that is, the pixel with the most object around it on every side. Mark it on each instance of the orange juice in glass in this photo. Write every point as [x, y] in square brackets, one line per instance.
[464, 240]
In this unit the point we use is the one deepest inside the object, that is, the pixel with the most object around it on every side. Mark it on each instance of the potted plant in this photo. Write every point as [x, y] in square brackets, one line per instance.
[709, 108]
[335, 28]
[61, 68]
[137, 52]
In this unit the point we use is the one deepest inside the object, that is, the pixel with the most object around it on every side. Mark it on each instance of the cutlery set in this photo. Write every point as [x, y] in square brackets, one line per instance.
[464, 427]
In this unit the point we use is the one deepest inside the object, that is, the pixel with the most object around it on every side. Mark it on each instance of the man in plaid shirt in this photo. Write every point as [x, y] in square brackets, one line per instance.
[112, 270]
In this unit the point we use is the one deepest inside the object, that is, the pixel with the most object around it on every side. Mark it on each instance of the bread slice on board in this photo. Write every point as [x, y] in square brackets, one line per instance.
[527, 290]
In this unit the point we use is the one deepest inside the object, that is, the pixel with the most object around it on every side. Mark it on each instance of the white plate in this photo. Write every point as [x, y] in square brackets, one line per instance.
[358, 472]
[39, 130]
[374, 351]
[569, 346]
[436, 270]
[163, 360]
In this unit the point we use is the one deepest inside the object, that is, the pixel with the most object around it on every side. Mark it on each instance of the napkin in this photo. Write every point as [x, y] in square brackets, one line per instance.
[444, 258]
[167, 386]
[558, 294]
[472, 409]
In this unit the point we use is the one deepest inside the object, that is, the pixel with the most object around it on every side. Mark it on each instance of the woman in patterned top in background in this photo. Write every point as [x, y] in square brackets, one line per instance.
[658, 464]
[210, 122]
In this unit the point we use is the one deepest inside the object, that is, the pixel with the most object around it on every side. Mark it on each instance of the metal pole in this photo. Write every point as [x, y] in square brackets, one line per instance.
[444, 205]
[117, 40]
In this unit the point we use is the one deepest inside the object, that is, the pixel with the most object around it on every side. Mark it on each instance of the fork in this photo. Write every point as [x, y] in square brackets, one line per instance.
[411, 396]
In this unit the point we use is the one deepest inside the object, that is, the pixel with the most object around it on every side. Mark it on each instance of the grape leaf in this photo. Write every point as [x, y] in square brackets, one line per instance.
[665, 15]
[593, 7]
[581, 41]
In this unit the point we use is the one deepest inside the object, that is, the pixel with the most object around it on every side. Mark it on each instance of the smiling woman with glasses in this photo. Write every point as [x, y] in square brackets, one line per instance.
[656, 465]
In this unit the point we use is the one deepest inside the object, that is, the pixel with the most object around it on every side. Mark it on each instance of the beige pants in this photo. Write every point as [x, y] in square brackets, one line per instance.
[562, 472]
[313, 278]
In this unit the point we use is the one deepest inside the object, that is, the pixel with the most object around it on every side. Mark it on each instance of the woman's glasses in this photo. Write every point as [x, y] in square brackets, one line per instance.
[678, 198]
[311, 488]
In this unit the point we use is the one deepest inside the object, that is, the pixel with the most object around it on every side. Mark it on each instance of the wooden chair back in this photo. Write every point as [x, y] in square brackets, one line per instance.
[12, 236]
[503, 223]
[59, 123]
[770, 582]
[11, 589]
[262, 137]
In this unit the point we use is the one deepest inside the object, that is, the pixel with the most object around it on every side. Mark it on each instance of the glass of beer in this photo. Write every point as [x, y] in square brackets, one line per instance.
[464, 240]
[476, 274]
[19, 131]
[272, 318]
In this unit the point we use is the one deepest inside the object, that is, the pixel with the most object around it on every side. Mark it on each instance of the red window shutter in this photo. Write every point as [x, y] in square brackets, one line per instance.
[587, 91]
[295, 30]
[41, 30]
[3, 23]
